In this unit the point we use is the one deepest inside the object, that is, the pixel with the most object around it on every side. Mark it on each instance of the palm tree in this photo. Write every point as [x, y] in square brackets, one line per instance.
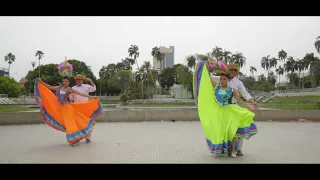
[10, 58]
[134, 51]
[299, 66]
[33, 64]
[209, 55]
[144, 74]
[217, 53]
[226, 56]
[238, 58]
[310, 62]
[282, 55]
[317, 44]
[202, 57]
[279, 72]
[290, 67]
[191, 61]
[273, 62]
[39, 54]
[265, 63]
[252, 70]
[158, 55]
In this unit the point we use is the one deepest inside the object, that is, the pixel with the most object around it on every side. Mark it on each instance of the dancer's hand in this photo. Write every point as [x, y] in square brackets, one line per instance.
[255, 105]
[88, 80]
[252, 109]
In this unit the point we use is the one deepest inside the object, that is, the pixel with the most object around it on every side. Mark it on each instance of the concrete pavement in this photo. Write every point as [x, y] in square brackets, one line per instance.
[157, 142]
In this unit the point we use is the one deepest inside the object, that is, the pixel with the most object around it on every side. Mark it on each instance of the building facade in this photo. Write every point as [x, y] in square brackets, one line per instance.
[168, 59]
[4, 72]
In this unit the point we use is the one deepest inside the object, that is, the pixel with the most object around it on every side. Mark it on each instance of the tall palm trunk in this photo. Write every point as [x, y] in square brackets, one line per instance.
[9, 69]
[137, 64]
[300, 80]
[292, 78]
[39, 68]
[285, 75]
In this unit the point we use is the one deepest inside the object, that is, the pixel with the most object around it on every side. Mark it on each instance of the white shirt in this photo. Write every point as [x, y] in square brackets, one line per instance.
[85, 89]
[238, 85]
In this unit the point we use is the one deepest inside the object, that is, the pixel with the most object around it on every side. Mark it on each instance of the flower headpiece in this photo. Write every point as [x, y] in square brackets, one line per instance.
[217, 67]
[65, 68]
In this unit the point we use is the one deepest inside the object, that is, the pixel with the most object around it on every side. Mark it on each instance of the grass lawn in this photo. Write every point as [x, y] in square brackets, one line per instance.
[294, 103]
[14, 108]
[161, 105]
[109, 101]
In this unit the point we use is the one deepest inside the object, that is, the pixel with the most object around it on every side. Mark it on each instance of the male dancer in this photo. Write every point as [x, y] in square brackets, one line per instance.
[85, 89]
[237, 84]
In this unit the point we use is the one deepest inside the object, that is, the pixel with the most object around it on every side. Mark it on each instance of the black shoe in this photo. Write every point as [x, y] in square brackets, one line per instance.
[239, 153]
[88, 141]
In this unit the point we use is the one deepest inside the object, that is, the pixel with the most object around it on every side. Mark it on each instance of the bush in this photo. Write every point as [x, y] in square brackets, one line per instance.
[9, 86]
[318, 105]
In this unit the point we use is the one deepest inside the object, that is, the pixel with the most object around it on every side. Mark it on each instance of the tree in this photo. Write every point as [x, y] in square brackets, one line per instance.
[226, 56]
[290, 67]
[134, 51]
[184, 76]
[282, 55]
[155, 53]
[293, 79]
[273, 62]
[311, 62]
[33, 64]
[39, 54]
[107, 72]
[121, 80]
[317, 44]
[146, 77]
[272, 79]
[279, 72]
[265, 63]
[238, 58]
[10, 58]
[191, 61]
[9, 86]
[252, 70]
[217, 53]
[299, 66]
[167, 78]
[50, 75]
[202, 57]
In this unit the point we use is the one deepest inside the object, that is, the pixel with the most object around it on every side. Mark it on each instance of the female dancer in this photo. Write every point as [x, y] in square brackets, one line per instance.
[223, 122]
[75, 119]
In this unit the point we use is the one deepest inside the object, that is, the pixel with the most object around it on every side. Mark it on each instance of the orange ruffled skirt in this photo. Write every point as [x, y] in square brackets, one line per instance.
[75, 119]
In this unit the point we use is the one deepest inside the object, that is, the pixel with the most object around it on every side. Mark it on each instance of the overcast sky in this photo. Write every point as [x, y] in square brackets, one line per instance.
[99, 41]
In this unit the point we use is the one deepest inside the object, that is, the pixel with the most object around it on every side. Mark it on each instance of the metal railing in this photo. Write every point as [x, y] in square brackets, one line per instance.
[293, 105]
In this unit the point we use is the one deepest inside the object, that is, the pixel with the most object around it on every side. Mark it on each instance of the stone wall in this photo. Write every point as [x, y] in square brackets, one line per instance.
[163, 115]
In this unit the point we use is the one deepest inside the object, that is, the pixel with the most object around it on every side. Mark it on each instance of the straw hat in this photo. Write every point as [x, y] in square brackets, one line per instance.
[80, 76]
[233, 66]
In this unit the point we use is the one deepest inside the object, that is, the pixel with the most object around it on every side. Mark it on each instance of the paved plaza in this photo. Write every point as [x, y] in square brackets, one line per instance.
[157, 142]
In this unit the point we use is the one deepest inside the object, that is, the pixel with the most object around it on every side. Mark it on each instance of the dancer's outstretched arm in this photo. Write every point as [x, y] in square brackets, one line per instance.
[239, 100]
[54, 88]
[213, 82]
[81, 94]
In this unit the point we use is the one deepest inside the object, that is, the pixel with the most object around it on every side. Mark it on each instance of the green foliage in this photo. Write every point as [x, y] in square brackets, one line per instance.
[9, 86]
[121, 80]
[167, 77]
[50, 74]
